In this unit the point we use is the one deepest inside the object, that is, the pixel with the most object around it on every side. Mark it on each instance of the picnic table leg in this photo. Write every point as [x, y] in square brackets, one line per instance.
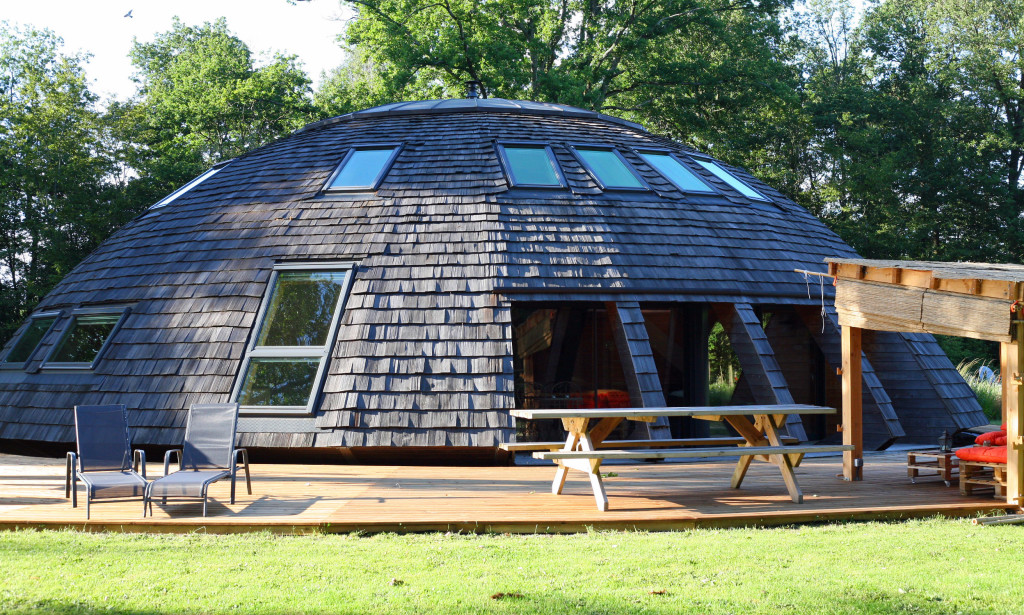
[559, 483]
[785, 466]
[754, 437]
[596, 484]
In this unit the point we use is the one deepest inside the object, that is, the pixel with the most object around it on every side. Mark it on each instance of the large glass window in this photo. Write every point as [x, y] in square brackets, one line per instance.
[675, 171]
[25, 347]
[531, 166]
[730, 179]
[609, 168]
[363, 168]
[84, 339]
[286, 359]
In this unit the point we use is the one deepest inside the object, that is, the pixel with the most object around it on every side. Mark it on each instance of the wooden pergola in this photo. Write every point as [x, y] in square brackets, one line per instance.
[975, 300]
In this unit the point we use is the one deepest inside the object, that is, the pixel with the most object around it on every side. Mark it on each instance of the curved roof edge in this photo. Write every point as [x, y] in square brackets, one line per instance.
[469, 105]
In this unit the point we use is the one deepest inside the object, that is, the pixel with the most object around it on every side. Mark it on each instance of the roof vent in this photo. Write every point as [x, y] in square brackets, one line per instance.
[473, 89]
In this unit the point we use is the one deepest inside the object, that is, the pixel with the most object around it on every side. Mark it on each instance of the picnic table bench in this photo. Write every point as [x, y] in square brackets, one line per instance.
[758, 427]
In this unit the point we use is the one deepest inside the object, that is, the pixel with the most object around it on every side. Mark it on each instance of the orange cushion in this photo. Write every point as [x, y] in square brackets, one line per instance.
[983, 454]
[988, 438]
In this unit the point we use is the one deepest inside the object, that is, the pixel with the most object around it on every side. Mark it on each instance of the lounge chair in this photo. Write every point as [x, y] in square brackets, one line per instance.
[104, 459]
[207, 456]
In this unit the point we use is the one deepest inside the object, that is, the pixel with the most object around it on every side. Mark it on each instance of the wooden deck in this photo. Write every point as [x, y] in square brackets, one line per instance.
[345, 498]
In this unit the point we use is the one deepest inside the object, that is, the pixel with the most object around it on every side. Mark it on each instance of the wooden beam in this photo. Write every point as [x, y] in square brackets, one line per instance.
[1012, 405]
[757, 359]
[638, 366]
[853, 425]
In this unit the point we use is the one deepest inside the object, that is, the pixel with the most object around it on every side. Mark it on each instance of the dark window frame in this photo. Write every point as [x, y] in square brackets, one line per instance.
[4, 364]
[697, 158]
[510, 177]
[293, 352]
[574, 150]
[639, 151]
[377, 180]
[50, 364]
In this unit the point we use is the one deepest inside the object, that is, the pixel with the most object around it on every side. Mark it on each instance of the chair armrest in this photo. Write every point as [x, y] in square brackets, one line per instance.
[167, 460]
[69, 473]
[243, 453]
[139, 461]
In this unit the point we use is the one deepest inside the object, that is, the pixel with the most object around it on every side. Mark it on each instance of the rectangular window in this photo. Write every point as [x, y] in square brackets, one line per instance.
[607, 166]
[675, 171]
[86, 337]
[26, 345]
[363, 168]
[286, 360]
[730, 179]
[530, 166]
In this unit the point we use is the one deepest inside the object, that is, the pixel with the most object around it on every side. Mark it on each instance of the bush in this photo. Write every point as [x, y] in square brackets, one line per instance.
[988, 391]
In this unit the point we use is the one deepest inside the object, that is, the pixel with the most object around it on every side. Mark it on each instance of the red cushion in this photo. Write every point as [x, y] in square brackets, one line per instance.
[606, 398]
[1003, 427]
[988, 438]
[983, 454]
[1000, 441]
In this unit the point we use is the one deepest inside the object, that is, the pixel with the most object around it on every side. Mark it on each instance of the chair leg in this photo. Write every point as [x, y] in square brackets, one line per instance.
[245, 462]
[234, 474]
[88, 501]
[74, 492]
[204, 502]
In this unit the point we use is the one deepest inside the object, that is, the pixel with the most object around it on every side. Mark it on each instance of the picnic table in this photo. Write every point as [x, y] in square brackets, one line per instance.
[759, 426]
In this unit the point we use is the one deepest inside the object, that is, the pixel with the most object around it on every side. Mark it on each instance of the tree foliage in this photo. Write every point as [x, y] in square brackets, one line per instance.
[59, 194]
[202, 99]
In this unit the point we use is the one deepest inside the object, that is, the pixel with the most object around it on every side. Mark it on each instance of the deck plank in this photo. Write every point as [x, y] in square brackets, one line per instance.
[344, 498]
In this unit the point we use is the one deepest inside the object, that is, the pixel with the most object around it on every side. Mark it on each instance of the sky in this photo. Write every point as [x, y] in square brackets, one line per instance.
[307, 29]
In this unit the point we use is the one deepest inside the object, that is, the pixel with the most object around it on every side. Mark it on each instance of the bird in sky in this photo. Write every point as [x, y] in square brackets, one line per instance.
[129, 14]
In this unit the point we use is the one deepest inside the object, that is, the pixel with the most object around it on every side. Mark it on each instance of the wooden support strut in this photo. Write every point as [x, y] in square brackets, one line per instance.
[1012, 409]
[853, 425]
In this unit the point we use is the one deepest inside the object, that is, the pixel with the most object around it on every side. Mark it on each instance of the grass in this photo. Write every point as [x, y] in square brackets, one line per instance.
[988, 392]
[933, 566]
[720, 392]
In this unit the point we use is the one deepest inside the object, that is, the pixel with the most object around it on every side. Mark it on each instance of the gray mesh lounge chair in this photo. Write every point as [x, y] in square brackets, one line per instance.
[207, 456]
[104, 459]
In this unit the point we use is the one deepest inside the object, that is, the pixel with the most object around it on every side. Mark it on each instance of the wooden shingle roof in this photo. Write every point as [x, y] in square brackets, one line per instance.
[442, 248]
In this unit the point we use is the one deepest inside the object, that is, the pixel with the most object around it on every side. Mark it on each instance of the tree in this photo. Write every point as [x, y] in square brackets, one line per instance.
[58, 196]
[688, 65]
[202, 100]
[892, 169]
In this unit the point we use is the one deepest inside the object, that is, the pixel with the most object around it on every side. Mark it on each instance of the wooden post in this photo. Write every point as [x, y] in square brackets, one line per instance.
[1007, 370]
[853, 426]
[1012, 405]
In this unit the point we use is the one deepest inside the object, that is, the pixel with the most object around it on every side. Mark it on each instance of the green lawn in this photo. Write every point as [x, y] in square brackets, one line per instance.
[933, 566]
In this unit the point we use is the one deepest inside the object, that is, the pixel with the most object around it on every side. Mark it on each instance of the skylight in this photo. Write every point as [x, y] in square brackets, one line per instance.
[192, 184]
[85, 338]
[730, 179]
[675, 171]
[609, 168]
[531, 166]
[29, 340]
[363, 168]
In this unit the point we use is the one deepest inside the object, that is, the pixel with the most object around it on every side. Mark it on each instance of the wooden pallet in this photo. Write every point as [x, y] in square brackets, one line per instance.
[974, 474]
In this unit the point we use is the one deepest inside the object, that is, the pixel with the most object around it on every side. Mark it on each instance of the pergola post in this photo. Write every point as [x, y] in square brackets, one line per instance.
[1013, 401]
[853, 425]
